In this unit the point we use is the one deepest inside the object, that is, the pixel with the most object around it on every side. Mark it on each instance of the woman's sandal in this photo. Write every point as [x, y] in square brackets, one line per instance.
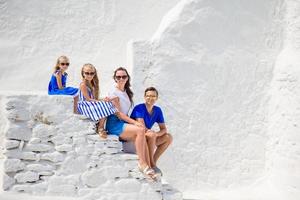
[148, 172]
[102, 133]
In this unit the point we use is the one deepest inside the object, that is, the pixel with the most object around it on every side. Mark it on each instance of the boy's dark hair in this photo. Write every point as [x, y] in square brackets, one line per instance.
[151, 89]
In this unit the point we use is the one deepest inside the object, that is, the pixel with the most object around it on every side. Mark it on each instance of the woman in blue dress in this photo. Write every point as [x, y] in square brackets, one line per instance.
[57, 84]
[89, 103]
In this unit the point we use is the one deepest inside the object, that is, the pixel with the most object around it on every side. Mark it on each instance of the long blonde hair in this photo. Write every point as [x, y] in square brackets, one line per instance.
[94, 86]
[58, 62]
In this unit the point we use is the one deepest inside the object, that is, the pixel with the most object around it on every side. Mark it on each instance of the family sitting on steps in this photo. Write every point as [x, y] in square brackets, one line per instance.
[114, 110]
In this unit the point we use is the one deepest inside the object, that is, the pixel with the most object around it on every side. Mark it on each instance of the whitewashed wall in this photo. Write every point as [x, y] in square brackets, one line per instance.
[213, 63]
[34, 33]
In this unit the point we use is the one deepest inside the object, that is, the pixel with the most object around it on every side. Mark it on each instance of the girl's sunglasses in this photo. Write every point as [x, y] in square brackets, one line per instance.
[63, 64]
[121, 77]
[89, 73]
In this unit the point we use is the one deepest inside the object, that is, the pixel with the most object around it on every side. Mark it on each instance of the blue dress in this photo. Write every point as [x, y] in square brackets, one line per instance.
[53, 88]
[94, 110]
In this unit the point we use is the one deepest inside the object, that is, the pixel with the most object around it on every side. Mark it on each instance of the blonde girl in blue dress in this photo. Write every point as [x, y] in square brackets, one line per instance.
[58, 81]
[89, 103]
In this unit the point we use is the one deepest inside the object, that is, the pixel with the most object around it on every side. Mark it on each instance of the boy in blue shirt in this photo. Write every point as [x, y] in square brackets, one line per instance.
[148, 114]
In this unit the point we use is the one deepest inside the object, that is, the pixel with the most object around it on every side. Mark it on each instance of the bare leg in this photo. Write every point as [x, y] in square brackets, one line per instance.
[101, 123]
[137, 134]
[75, 105]
[100, 128]
[162, 144]
[151, 145]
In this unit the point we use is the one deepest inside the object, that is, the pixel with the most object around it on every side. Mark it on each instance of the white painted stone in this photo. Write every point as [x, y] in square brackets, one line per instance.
[81, 150]
[74, 165]
[93, 178]
[7, 181]
[79, 140]
[63, 185]
[108, 150]
[112, 172]
[12, 153]
[18, 132]
[29, 156]
[18, 114]
[34, 140]
[11, 144]
[43, 131]
[39, 147]
[60, 140]
[40, 167]
[53, 157]
[25, 177]
[39, 188]
[84, 192]
[127, 156]
[64, 147]
[61, 190]
[128, 186]
[112, 138]
[87, 169]
[22, 188]
[100, 145]
[94, 137]
[21, 146]
[13, 165]
[46, 173]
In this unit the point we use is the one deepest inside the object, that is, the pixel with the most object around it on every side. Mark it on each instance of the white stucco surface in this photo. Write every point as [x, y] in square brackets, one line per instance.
[227, 75]
[33, 34]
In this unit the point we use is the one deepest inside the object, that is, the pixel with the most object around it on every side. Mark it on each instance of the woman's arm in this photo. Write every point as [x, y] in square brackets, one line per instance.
[58, 76]
[85, 93]
[123, 116]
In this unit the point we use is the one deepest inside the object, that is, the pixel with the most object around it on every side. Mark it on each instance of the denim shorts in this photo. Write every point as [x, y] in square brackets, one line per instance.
[114, 125]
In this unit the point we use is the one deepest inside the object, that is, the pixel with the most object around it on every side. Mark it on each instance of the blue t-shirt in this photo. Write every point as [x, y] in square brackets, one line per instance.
[140, 111]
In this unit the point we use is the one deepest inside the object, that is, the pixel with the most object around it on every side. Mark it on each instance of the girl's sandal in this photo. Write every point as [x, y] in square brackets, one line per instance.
[102, 133]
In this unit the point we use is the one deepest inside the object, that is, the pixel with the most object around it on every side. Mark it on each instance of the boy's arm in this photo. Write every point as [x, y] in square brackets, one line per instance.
[162, 129]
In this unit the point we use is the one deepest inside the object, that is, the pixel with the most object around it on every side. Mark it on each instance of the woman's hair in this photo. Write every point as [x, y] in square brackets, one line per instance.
[151, 89]
[59, 59]
[127, 84]
[94, 85]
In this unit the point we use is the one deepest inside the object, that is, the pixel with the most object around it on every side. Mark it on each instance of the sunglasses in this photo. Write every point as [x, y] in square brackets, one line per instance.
[150, 96]
[121, 77]
[63, 64]
[89, 73]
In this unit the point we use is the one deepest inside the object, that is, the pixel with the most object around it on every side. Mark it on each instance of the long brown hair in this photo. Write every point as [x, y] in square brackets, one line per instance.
[58, 62]
[94, 85]
[127, 84]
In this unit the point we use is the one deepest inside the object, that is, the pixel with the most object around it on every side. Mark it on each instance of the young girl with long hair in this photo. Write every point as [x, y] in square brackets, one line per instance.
[89, 103]
[57, 84]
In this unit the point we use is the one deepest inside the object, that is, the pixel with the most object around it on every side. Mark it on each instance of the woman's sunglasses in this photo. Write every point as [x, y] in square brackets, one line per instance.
[63, 64]
[121, 77]
[89, 73]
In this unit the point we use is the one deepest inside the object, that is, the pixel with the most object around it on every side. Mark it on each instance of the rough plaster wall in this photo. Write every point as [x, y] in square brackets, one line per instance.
[212, 62]
[283, 150]
[34, 33]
